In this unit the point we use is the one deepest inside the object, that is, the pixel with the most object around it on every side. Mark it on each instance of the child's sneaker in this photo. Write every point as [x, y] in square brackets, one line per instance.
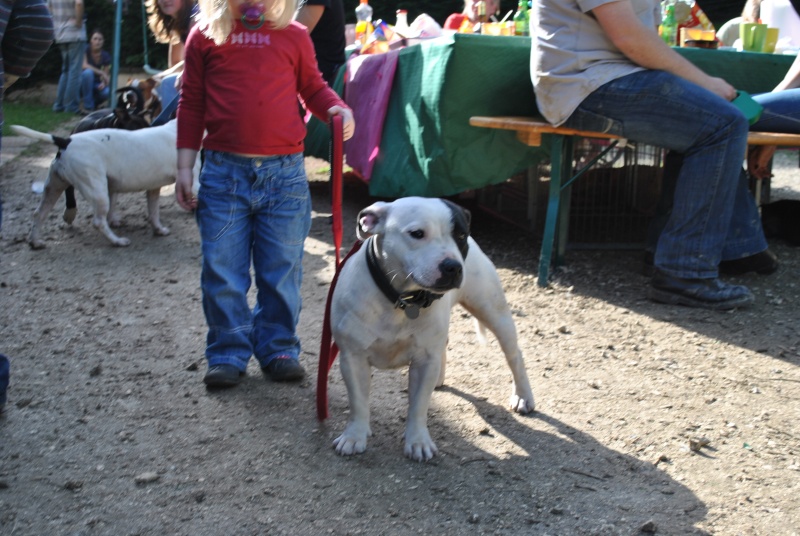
[284, 369]
[220, 376]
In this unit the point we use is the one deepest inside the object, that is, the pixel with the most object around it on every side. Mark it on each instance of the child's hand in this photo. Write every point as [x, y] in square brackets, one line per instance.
[183, 189]
[348, 123]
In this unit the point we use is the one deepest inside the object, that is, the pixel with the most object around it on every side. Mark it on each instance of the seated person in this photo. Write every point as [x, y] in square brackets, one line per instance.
[170, 22]
[781, 114]
[95, 76]
[728, 33]
[469, 13]
[620, 77]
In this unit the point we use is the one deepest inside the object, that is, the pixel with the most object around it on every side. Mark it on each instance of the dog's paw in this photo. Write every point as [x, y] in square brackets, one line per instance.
[352, 441]
[36, 244]
[420, 447]
[160, 230]
[122, 242]
[519, 404]
[69, 215]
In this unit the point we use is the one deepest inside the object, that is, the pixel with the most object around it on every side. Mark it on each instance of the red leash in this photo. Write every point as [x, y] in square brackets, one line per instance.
[337, 165]
[328, 349]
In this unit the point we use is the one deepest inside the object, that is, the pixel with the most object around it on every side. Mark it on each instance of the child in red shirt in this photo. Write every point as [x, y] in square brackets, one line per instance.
[246, 63]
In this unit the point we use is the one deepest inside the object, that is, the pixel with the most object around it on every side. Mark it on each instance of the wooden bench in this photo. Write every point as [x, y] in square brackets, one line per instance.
[529, 130]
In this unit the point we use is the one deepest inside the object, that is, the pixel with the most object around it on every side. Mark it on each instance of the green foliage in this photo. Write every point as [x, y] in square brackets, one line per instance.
[36, 116]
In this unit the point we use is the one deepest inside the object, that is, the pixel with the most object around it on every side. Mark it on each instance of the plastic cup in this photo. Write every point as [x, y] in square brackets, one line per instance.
[771, 40]
[746, 36]
[759, 33]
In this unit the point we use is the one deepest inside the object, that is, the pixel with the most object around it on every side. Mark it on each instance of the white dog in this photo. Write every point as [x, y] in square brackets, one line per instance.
[102, 163]
[391, 308]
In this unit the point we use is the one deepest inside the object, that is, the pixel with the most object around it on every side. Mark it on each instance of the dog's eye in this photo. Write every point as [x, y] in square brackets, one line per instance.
[462, 237]
[418, 234]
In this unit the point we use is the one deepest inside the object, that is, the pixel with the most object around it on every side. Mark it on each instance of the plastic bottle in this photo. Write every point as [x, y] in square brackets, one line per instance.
[669, 26]
[402, 28]
[521, 19]
[364, 22]
[480, 16]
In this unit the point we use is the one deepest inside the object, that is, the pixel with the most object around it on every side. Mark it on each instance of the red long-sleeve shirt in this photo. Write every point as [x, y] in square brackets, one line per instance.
[244, 92]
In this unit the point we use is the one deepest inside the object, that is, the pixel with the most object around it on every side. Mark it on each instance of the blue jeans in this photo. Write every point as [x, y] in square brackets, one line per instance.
[91, 94]
[745, 220]
[252, 211]
[781, 112]
[169, 99]
[658, 108]
[69, 83]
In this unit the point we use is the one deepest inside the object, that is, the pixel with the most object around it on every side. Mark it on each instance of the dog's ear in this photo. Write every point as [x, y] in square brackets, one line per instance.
[371, 220]
[461, 219]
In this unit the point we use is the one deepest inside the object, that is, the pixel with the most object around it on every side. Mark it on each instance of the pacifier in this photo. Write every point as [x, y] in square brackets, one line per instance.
[252, 15]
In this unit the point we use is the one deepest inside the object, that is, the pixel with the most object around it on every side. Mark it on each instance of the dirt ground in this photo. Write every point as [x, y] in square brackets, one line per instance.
[650, 418]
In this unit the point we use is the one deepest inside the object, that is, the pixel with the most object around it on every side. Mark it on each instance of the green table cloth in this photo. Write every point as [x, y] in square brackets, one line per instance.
[428, 147]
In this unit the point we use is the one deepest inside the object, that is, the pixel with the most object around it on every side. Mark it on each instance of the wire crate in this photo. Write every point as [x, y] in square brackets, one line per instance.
[611, 204]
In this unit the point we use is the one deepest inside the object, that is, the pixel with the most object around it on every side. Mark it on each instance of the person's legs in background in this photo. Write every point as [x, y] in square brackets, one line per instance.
[101, 96]
[169, 99]
[781, 112]
[69, 83]
[87, 89]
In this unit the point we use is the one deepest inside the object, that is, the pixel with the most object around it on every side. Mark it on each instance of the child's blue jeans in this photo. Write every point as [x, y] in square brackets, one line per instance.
[252, 213]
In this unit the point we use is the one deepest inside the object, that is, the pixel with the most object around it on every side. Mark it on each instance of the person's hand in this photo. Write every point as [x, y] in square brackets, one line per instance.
[758, 159]
[348, 123]
[720, 87]
[183, 189]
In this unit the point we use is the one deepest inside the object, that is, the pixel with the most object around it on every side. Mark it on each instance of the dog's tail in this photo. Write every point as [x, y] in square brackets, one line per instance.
[58, 141]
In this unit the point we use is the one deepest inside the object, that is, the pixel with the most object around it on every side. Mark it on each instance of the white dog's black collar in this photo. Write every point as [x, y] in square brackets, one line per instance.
[409, 302]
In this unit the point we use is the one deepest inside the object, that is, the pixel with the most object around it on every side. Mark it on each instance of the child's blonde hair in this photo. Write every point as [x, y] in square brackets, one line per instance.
[216, 20]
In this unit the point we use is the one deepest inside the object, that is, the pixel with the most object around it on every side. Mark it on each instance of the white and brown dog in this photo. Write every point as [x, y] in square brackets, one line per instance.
[391, 308]
[102, 163]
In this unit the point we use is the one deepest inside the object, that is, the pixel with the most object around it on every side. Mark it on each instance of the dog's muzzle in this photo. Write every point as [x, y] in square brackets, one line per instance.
[409, 302]
[452, 275]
